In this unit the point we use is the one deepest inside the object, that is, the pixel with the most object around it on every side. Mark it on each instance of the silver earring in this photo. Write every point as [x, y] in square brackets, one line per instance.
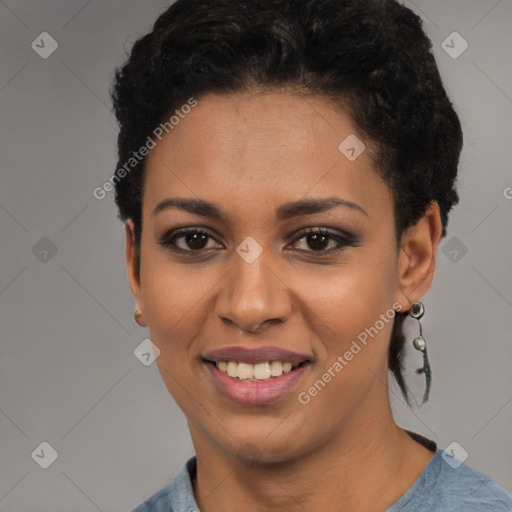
[420, 343]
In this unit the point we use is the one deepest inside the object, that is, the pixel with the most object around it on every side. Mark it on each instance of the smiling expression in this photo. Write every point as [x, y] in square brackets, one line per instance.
[260, 177]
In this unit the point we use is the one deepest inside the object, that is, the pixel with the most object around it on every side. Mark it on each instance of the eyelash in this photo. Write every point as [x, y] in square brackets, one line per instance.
[169, 240]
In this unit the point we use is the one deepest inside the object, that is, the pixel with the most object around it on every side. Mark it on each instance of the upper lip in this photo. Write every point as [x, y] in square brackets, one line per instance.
[256, 355]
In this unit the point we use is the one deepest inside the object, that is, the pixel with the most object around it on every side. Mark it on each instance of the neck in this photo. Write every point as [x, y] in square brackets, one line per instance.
[367, 465]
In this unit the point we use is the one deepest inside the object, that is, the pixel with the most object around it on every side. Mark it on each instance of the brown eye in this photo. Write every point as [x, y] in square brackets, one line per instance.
[323, 241]
[318, 241]
[188, 240]
[196, 241]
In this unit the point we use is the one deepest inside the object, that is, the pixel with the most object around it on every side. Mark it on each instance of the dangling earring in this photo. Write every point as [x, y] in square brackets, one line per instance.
[136, 316]
[420, 343]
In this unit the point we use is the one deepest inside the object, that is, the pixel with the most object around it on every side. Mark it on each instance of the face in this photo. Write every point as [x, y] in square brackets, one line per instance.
[289, 246]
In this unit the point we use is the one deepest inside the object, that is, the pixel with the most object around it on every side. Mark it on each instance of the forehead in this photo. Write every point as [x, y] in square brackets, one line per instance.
[264, 149]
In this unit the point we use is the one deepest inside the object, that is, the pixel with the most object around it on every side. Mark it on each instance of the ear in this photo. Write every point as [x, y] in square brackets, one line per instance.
[417, 257]
[133, 263]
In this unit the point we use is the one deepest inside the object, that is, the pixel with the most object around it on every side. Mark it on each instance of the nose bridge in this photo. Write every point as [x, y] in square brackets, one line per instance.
[251, 279]
[253, 293]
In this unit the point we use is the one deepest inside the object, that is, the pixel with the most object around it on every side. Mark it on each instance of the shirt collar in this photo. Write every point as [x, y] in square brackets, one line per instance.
[182, 492]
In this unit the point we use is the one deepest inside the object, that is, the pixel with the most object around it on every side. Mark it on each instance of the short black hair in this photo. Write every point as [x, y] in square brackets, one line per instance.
[372, 57]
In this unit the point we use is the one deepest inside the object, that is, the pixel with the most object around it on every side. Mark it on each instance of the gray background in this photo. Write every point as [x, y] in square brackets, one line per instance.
[68, 374]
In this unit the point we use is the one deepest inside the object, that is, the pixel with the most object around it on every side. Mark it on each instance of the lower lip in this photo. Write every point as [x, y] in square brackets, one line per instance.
[256, 393]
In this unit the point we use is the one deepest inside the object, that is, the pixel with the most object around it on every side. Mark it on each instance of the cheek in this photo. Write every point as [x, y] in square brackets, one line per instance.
[345, 306]
[175, 302]
[173, 298]
[354, 294]
[171, 293]
[351, 340]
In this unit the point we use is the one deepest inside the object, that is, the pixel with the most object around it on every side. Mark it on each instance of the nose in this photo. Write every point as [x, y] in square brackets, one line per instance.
[254, 296]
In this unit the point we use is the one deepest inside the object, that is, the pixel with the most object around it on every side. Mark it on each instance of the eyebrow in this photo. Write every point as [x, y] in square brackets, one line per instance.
[283, 212]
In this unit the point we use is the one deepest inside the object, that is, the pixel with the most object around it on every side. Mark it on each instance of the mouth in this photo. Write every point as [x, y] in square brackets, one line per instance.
[259, 372]
[256, 376]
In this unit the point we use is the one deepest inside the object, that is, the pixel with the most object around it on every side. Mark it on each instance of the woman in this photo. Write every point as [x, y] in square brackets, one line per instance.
[286, 170]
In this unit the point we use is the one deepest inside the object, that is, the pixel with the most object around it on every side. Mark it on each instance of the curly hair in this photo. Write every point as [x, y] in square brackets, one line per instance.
[372, 57]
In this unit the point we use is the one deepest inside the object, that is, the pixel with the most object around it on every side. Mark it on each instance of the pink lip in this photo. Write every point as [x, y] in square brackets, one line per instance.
[256, 393]
[256, 355]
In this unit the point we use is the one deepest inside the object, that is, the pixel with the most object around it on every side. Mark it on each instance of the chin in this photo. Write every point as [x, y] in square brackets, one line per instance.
[259, 445]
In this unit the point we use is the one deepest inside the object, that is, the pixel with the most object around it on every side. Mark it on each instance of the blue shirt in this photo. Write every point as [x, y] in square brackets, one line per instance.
[439, 488]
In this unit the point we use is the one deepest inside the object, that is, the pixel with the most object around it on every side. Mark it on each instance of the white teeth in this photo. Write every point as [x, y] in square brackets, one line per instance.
[232, 369]
[254, 372]
[287, 367]
[262, 371]
[245, 371]
[276, 368]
